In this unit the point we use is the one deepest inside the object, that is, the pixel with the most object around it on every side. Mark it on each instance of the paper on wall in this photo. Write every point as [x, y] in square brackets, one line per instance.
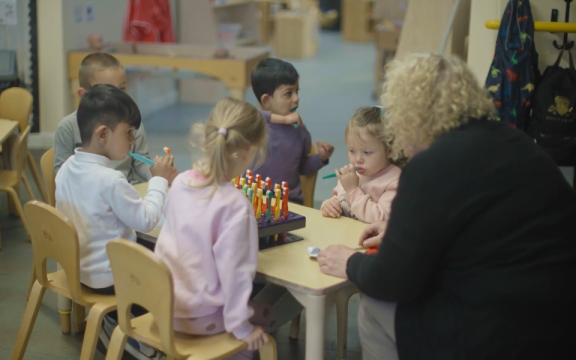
[78, 13]
[8, 12]
[90, 12]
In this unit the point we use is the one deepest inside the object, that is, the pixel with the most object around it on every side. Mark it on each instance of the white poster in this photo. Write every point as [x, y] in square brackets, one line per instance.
[8, 12]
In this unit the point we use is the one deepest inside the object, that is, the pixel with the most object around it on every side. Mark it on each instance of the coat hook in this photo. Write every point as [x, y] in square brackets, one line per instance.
[566, 45]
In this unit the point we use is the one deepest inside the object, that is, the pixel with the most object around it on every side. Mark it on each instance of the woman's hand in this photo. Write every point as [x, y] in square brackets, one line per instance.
[332, 208]
[348, 178]
[372, 235]
[333, 260]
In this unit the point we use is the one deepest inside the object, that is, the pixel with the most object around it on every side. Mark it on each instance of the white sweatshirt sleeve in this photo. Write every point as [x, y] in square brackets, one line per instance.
[236, 255]
[140, 214]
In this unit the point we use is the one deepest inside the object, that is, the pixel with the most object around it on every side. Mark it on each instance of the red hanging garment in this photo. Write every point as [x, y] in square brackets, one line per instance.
[148, 21]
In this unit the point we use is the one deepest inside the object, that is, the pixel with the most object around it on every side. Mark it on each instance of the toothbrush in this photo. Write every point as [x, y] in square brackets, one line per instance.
[142, 158]
[330, 176]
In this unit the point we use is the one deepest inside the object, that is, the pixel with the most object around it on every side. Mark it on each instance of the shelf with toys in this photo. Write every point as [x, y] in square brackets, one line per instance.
[271, 210]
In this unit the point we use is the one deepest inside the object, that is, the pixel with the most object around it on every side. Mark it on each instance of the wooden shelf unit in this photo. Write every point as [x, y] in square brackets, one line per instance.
[357, 22]
[199, 21]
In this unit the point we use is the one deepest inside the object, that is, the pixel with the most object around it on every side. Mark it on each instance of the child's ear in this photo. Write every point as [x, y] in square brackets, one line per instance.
[81, 91]
[101, 133]
[265, 101]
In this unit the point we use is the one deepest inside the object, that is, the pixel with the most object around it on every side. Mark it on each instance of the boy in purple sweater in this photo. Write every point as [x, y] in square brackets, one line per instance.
[275, 84]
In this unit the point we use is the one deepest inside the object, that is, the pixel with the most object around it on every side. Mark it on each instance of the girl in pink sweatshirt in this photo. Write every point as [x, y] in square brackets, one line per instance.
[210, 236]
[366, 193]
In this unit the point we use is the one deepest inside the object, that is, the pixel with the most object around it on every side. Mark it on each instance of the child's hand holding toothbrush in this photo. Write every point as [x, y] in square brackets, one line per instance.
[348, 178]
[164, 167]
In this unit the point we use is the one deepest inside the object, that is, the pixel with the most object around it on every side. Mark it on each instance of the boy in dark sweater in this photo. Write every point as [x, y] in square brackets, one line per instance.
[275, 84]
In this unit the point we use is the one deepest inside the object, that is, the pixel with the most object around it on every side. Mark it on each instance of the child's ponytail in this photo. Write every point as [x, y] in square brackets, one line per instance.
[233, 125]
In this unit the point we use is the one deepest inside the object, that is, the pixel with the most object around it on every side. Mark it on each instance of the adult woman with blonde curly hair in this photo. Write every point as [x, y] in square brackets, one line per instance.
[478, 259]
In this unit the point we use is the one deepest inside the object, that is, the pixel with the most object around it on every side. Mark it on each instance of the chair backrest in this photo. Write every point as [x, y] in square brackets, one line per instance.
[21, 156]
[47, 166]
[308, 183]
[16, 104]
[142, 278]
[54, 237]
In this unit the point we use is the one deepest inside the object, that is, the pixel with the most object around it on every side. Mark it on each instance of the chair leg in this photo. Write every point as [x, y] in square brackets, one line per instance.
[16, 200]
[65, 322]
[28, 188]
[79, 312]
[37, 178]
[32, 281]
[342, 299]
[93, 325]
[117, 344]
[268, 351]
[28, 321]
[295, 327]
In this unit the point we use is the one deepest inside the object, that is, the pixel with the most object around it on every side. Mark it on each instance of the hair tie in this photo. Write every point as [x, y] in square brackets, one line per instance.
[223, 132]
[382, 109]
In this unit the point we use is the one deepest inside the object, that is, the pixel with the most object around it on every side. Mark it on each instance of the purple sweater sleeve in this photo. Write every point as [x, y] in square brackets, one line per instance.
[266, 115]
[309, 164]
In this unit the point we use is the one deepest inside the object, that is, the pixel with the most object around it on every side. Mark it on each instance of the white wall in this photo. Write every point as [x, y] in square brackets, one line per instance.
[15, 37]
[482, 40]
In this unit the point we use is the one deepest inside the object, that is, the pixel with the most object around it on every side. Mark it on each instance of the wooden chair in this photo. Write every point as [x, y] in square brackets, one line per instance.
[308, 186]
[54, 236]
[342, 298]
[16, 104]
[308, 183]
[146, 281]
[47, 167]
[10, 179]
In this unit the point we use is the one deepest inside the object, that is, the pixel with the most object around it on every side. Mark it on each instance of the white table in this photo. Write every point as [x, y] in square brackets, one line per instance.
[290, 266]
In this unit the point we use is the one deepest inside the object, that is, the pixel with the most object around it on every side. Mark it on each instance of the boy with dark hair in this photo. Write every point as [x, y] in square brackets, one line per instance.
[99, 200]
[101, 68]
[275, 84]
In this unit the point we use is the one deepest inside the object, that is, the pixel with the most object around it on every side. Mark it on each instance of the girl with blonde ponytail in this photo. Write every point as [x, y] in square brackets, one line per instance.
[210, 237]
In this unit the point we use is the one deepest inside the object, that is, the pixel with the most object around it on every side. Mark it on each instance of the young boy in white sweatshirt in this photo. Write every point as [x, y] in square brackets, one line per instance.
[97, 198]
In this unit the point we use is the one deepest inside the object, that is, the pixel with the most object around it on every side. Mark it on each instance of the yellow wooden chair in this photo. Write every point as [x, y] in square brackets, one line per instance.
[55, 237]
[10, 179]
[146, 281]
[47, 167]
[16, 104]
[308, 183]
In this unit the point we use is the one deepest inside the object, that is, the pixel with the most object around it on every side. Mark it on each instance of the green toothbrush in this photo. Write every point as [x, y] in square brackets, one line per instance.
[330, 176]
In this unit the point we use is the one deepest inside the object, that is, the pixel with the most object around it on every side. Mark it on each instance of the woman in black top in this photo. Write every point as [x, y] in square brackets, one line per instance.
[479, 256]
